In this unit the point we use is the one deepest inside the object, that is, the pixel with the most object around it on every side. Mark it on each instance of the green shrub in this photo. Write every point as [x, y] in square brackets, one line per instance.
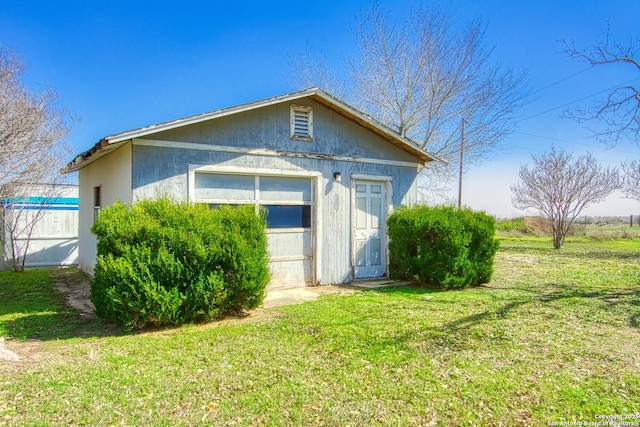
[513, 224]
[162, 262]
[442, 246]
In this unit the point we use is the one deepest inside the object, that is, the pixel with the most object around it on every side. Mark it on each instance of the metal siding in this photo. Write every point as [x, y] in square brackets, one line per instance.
[54, 238]
[269, 128]
[137, 171]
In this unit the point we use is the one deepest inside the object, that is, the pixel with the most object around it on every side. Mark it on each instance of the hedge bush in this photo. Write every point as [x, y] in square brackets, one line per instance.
[162, 262]
[442, 246]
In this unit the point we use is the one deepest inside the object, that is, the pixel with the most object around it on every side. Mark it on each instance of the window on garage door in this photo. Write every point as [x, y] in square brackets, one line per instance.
[287, 200]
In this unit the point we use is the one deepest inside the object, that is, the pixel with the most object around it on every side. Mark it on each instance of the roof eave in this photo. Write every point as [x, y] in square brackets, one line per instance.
[100, 149]
[372, 124]
[172, 124]
[105, 145]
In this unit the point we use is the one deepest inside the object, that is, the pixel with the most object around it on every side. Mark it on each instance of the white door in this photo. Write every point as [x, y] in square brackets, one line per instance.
[369, 257]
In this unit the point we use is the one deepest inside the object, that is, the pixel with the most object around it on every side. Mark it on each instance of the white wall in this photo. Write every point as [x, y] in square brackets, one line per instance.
[112, 172]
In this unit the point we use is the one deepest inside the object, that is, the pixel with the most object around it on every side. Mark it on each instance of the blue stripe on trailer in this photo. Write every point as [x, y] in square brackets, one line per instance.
[35, 200]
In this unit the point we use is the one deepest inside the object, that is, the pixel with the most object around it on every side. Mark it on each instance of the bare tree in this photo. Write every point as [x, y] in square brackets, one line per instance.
[561, 187]
[309, 69]
[32, 151]
[421, 76]
[619, 112]
[631, 179]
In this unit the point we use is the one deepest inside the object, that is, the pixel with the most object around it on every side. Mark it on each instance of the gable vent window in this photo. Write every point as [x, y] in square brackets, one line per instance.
[301, 123]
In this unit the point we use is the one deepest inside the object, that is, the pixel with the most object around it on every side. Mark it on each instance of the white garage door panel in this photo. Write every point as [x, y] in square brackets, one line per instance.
[224, 187]
[284, 189]
[290, 273]
[289, 244]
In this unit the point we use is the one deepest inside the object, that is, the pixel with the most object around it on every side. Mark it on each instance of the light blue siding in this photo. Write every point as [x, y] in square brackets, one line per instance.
[268, 128]
[259, 140]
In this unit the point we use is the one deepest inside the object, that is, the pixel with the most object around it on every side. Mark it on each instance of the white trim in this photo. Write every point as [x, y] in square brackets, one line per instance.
[270, 153]
[286, 230]
[252, 202]
[225, 201]
[256, 186]
[367, 177]
[316, 203]
[244, 170]
[353, 228]
[318, 183]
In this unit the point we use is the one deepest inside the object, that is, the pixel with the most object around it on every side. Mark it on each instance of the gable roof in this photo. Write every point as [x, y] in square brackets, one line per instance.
[108, 143]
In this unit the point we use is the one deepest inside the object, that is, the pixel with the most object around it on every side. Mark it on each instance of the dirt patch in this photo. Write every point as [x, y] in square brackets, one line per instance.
[28, 353]
[74, 284]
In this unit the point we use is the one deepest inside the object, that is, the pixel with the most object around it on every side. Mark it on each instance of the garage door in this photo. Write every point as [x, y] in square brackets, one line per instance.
[288, 202]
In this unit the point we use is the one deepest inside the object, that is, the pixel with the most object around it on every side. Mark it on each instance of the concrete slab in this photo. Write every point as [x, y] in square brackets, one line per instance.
[281, 296]
[278, 297]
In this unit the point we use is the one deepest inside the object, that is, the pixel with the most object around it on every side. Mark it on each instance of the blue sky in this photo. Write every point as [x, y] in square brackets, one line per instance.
[120, 65]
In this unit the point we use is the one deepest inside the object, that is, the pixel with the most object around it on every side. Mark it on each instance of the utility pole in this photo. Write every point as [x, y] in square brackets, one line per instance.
[461, 165]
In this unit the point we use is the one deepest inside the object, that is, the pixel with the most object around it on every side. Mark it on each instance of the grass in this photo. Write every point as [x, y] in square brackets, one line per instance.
[553, 338]
[31, 309]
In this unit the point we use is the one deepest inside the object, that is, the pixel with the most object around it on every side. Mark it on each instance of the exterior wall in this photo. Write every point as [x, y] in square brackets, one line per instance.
[259, 141]
[112, 173]
[54, 239]
[268, 128]
[167, 170]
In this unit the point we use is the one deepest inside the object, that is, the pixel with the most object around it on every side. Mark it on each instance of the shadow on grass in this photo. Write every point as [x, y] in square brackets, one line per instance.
[446, 329]
[626, 298]
[59, 325]
[32, 308]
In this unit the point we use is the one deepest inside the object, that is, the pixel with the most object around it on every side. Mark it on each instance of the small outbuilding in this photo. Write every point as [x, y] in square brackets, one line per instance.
[38, 225]
[327, 174]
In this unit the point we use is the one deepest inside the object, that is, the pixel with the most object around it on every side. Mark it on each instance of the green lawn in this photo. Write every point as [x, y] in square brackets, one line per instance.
[554, 337]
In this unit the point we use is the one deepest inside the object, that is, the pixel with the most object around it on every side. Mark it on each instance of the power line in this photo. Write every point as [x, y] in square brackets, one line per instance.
[561, 80]
[542, 150]
[566, 141]
[578, 100]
